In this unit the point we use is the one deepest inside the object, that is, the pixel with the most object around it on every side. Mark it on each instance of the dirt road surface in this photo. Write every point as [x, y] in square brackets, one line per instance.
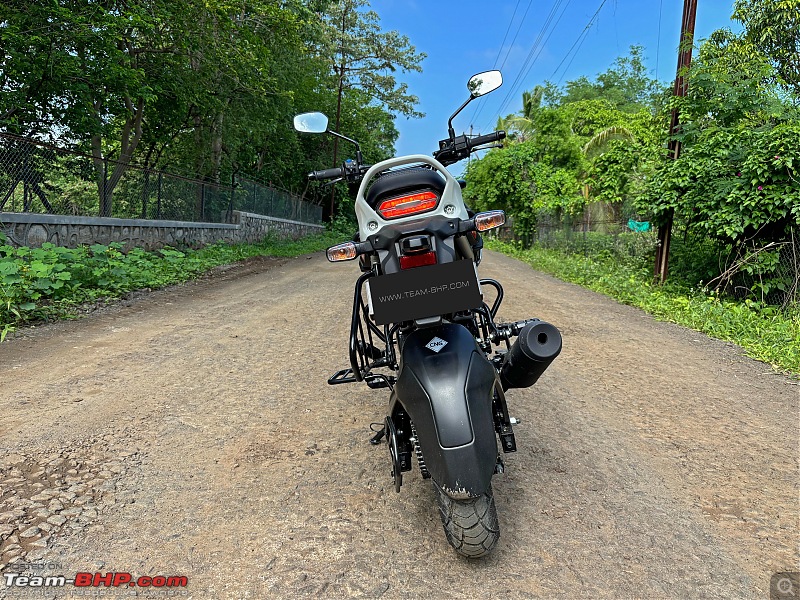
[192, 433]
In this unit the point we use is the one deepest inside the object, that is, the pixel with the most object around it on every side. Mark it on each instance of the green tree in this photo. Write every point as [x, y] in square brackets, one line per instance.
[736, 179]
[772, 29]
[625, 85]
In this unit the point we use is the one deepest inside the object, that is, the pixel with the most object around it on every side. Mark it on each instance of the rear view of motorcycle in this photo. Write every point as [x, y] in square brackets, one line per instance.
[421, 328]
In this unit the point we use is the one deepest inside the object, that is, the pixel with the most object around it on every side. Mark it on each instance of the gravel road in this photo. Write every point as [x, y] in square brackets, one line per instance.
[191, 432]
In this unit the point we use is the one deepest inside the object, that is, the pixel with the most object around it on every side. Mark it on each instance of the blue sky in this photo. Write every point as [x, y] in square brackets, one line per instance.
[463, 38]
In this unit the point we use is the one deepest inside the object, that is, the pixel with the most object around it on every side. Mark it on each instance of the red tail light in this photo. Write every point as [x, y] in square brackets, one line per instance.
[417, 260]
[411, 204]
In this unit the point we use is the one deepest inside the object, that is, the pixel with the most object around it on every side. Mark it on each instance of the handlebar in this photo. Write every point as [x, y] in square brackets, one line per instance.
[455, 149]
[351, 173]
[326, 174]
[450, 151]
[480, 140]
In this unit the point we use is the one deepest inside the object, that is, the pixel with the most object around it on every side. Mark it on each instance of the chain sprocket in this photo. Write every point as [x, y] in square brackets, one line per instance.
[420, 459]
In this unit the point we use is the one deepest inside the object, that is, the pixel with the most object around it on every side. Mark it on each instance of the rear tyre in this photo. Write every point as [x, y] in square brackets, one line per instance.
[470, 525]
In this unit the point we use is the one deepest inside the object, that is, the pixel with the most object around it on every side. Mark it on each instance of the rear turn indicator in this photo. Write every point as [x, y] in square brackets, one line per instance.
[417, 260]
[346, 251]
[489, 220]
[411, 204]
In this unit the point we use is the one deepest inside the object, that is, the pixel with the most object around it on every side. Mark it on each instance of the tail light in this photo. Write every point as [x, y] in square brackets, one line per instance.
[410, 204]
[417, 260]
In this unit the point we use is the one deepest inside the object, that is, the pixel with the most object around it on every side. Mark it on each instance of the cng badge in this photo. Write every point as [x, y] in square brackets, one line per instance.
[436, 344]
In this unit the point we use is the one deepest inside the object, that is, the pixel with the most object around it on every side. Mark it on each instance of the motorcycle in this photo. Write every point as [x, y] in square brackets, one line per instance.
[421, 328]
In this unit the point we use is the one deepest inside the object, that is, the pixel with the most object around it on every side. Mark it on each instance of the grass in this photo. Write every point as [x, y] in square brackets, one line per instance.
[48, 283]
[765, 332]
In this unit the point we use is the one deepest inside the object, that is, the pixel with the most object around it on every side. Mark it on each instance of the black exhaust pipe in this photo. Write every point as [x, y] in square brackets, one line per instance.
[538, 345]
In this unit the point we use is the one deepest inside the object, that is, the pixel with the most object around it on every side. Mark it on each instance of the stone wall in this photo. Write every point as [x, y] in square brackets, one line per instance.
[31, 229]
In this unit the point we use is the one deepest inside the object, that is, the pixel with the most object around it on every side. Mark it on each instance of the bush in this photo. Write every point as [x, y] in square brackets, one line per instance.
[765, 332]
[44, 283]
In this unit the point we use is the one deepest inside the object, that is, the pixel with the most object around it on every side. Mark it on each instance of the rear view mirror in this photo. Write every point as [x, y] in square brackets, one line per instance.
[312, 122]
[483, 83]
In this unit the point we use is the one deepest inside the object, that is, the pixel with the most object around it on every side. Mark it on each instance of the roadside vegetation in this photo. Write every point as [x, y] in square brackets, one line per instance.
[765, 332]
[200, 88]
[51, 282]
[586, 182]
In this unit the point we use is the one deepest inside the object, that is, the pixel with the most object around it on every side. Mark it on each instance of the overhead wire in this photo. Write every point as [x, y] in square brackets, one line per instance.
[575, 46]
[511, 45]
[508, 52]
[578, 42]
[658, 40]
[505, 37]
[535, 52]
[499, 52]
[532, 54]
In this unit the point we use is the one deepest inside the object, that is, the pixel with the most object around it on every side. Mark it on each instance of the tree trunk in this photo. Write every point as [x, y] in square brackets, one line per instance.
[131, 136]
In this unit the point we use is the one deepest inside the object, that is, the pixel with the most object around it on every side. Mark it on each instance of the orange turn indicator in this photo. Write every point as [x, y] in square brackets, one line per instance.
[346, 251]
[489, 220]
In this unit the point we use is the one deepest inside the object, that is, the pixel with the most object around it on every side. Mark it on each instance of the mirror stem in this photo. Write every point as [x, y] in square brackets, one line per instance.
[352, 141]
[450, 131]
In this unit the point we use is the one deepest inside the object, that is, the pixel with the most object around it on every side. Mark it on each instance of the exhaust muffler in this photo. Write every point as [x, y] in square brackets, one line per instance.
[537, 345]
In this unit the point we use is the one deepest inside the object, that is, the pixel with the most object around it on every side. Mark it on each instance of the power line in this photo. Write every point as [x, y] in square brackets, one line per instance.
[658, 41]
[505, 37]
[511, 45]
[535, 52]
[578, 42]
[476, 110]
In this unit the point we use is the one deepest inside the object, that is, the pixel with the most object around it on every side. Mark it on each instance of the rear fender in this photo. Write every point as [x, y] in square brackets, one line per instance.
[446, 386]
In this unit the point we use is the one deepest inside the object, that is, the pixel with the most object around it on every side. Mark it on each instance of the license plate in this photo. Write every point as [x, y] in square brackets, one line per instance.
[425, 292]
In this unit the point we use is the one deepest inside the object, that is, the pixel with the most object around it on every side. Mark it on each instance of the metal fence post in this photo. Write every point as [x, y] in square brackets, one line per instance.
[202, 202]
[104, 208]
[25, 200]
[158, 204]
[145, 188]
[229, 216]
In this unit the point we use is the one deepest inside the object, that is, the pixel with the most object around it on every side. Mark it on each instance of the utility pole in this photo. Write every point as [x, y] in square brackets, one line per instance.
[684, 60]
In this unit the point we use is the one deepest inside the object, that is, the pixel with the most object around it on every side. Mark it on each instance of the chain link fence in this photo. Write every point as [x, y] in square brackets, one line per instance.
[769, 273]
[41, 178]
[628, 239]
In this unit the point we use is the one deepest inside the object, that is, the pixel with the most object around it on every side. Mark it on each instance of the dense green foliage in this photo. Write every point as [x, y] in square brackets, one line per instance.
[49, 282]
[737, 176]
[765, 333]
[204, 88]
[570, 147]
[596, 151]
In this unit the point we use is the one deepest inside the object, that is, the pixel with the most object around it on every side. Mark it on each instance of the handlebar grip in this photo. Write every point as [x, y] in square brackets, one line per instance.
[326, 174]
[495, 136]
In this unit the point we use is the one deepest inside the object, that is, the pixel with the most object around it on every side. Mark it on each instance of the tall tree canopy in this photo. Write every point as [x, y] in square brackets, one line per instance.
[206, 88]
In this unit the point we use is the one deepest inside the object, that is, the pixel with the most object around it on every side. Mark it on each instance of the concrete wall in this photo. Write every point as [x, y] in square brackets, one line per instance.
[30, 229]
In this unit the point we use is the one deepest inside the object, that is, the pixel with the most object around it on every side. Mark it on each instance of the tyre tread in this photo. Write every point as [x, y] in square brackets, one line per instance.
[470, 525]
